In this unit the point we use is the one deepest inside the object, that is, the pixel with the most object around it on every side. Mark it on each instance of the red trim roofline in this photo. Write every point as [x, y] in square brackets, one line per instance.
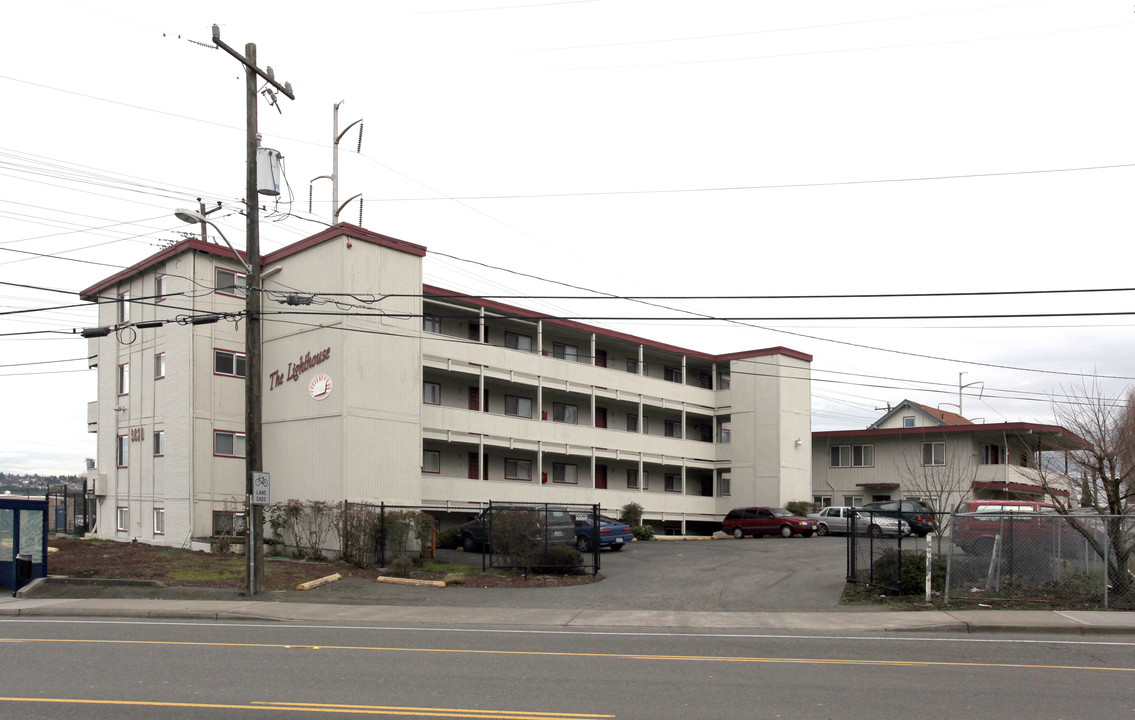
[351, 231]
[526, 313]
[1073, 441]
[91, 293]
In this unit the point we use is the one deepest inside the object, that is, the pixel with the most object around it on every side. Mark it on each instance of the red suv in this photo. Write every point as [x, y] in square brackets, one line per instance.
[757, 521]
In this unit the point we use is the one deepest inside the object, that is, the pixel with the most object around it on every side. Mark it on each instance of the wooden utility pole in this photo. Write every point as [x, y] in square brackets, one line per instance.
[254, 460]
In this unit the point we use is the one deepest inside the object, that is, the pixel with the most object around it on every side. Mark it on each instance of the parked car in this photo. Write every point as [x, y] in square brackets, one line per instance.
[841, 519]
[613, 534]
[919, 515]
[1036, 524]
[758, 521]
[553, 526]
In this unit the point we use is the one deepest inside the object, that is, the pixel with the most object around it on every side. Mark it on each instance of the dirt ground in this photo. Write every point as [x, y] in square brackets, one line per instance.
[109, 560]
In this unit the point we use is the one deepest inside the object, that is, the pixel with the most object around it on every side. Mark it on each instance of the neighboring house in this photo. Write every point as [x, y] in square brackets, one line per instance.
[410, 394]
[915, 451]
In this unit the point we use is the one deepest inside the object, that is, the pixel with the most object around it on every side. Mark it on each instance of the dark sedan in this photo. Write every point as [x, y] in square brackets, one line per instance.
[613, 534]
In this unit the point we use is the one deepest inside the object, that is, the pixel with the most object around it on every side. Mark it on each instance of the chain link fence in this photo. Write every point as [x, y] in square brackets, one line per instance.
[534, 537]
[1002, 553]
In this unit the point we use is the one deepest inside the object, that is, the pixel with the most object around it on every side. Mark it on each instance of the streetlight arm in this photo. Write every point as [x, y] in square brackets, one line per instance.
[192, 216]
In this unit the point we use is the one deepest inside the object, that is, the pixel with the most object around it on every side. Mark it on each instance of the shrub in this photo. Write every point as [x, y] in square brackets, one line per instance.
[643, 532]
[401, 566]
[632, 514]
[558, 560]
[799, 508]
[449, 539]
[912, 574]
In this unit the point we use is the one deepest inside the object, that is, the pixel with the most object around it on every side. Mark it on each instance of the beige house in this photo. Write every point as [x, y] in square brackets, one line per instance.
[916, 451]
[379, 388]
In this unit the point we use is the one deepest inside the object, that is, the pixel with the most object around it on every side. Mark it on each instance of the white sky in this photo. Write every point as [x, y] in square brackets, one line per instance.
[715, 148]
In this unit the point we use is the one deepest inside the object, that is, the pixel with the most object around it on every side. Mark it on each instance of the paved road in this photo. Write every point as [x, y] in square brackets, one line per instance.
[62, 669]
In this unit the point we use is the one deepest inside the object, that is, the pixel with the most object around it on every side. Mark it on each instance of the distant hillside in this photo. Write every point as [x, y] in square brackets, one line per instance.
[21, 484]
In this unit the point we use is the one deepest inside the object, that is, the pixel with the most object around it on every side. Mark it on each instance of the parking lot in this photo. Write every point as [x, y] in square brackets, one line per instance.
[771, 574]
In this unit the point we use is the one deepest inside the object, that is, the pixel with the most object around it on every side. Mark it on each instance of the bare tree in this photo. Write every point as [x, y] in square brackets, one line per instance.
[944, 486]
[1106, 465]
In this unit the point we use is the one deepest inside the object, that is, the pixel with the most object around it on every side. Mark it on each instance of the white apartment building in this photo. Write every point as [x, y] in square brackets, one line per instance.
[383, 389]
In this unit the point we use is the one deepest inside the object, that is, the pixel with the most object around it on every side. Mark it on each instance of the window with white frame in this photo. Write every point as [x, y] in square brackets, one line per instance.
[908, 421]
[672, 374]
[992, 455]
[122, 451]
[564, 413]
[159, 521]
[853, 500]
[159, 443]
[632, 478]
[725, 436]
[123, 307]
[723, 381]
[230, 282]
[431, 393]
[227, 362]
[852, 456]
[822, 500]
[565, 352]
[632, 423]
[517, 406]
[673, 482]
[159, 365]
[564, 473]
[227, 522]
[122, 519]
[632, 366]
[124, 379]
[161, 288]
[516, 341]
[725, 486]
[431, 461]
[673, 428]
[228, 444]
[431, 323]
[933, 453]
[518, 469]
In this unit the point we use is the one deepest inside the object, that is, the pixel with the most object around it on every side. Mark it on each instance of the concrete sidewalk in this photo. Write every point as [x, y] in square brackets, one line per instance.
[964, 621]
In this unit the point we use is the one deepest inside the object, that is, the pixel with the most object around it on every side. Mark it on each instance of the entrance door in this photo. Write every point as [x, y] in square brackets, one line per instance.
[600, 358]
[600, 417]
[473, 466]
[601, 477]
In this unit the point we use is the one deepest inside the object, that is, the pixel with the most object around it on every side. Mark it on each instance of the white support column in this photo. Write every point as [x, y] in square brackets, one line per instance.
[594, 406]
[540, 337]
[481, 458]
[540, 398]
[593, 468]
[593, 349]
[641, 367]
[540, 462]
[641, 474]
[683, 378]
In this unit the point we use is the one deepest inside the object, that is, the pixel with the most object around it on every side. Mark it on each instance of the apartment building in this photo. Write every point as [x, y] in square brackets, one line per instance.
[917, 451]
[377, 388]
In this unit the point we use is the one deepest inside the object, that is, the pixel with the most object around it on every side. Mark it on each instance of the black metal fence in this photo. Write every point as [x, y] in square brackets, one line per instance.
[1011, 556]
[69, 510]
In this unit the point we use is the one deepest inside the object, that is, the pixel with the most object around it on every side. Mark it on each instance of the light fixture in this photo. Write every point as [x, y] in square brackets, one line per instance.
[119, 408]
[192, 216]
[799, 442]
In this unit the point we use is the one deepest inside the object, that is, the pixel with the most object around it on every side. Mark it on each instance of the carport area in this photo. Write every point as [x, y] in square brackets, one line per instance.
[23, 541]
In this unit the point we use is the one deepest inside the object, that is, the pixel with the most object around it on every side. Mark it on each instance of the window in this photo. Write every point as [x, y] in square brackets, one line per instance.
[518, 469]
[565, 352]
[822, 500]
[673, 428]
[673, 482]
[228, 363]
[564, 473]
[159, 443]
[227, 522]
[852, 456]
[161, 288]
[228, 444]
[992, 455]
[123, 307]
[908, 421]
[726, 435]
[632, 478]
[565, 413]
[231, 283]
[431, 393]
[431, 461]
[124, 379]
[159, 521]
[725, 486]
[853, 500]
[632, 423]
[723, 382]
[431, 323]
[122, 519]
[159, 366]
[632, 366]
[517, 406]
[672, 374]
[933, 453]
[122, 451]
[518, 342]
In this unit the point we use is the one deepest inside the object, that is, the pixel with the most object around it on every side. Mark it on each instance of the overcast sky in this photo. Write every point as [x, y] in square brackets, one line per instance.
[630, 147]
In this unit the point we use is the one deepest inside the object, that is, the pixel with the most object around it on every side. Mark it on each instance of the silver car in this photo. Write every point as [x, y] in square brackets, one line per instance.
[841, 519]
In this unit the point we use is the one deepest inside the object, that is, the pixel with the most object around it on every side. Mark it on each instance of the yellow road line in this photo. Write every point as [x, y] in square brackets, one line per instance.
[339, 709]
[608, 656]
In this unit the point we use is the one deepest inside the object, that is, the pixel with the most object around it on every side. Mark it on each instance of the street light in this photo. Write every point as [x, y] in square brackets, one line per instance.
[194, 217]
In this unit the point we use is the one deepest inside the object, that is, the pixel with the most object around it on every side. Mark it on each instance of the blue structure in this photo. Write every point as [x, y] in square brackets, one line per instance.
[23, 541]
